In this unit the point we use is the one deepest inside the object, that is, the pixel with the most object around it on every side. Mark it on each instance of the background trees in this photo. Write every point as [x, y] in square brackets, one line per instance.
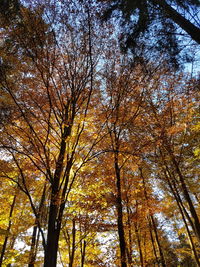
[97, 154]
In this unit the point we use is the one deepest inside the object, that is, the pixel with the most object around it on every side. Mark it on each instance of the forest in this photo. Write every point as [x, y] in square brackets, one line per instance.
[99, 133]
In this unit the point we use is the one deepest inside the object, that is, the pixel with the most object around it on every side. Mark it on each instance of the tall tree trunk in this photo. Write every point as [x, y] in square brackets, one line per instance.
[83, 247]
[120, 225]
[12, 242]
[7, 230]
[32, 251]
[71, 260]
[129, 248]
[186, 194]
[192, 245]
[158, 242]
[145, 249]
[54, 222]
[52, 234]
[138, 242]
[183, 212]
[152, 221]
[152, 240]
[35, 228]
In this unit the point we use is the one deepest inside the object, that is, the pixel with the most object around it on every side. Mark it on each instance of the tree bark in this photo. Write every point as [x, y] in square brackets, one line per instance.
[32, 252]
[120, 225]
[54, 222]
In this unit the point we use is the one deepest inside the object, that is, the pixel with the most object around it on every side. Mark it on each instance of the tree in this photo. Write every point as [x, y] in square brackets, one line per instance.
[171, 125]
[54, 66]
[123, 98]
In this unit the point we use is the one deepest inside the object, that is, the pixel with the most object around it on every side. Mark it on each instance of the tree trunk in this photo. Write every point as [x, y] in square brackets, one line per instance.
[129, 248]
[120, 225]
[138, 242]
[158, 242]
[83, 253]
[54, 222]
[179, 202]
[189, 235]
[152, 240]
[7, 230]
[152, 222]
[32, 251]
[187, 196]
[35, 228]
[71, 260]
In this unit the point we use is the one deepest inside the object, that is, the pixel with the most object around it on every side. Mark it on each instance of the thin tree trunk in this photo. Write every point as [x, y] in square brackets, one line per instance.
[158, 242]
[139, 244]
[129, 250]
[152, 240]
[32, 251]
[186, 195]
[189, 235]
[120, 225]
[34, 235]
[83, 253]
[152, 222]
[149, 217]
[71, 260]
[179, 202]
[7, 230]
[145, 250]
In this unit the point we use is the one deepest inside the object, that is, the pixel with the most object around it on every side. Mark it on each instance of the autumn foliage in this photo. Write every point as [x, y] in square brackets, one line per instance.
[99, 156]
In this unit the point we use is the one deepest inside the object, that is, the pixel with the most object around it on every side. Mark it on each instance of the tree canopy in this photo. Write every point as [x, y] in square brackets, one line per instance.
[99, 154]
